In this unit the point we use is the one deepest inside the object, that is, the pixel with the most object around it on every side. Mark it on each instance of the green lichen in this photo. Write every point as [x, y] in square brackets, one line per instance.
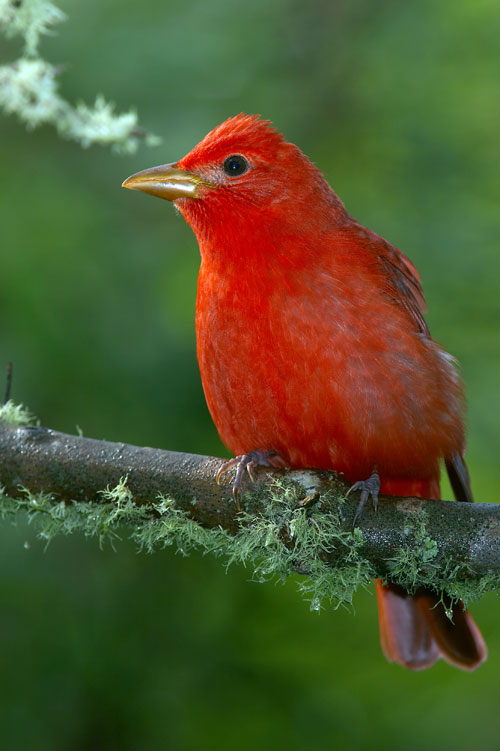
[16, 414]
[415, 562]
[287, 538]
[419, 564]
[53, 517]
[469, 590]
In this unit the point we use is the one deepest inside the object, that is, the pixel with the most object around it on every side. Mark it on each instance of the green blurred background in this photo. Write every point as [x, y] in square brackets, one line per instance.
[399, 104]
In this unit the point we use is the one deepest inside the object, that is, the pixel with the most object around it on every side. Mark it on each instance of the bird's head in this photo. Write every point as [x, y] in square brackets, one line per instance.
[243, 171]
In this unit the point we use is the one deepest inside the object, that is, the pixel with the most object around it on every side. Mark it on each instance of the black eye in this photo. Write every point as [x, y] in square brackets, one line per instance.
[235, 165]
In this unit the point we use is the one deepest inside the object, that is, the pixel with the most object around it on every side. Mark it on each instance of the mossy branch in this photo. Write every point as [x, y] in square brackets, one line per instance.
[29, 86]
[71, 484]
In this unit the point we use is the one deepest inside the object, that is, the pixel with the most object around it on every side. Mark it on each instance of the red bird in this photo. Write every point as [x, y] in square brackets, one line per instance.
[313, 348]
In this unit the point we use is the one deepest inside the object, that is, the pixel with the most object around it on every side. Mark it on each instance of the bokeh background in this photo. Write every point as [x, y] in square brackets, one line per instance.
[399, 104]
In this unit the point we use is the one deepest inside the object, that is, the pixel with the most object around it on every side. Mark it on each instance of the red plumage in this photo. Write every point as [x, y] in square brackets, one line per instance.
[311, 342]
[310, 327]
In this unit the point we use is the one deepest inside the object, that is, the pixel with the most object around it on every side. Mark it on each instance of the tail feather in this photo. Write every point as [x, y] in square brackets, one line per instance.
[459, 640]
[415, 630]
[404, 634]
[459, 478]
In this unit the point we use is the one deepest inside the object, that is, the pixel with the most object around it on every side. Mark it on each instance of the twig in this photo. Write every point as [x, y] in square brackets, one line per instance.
[8, 383]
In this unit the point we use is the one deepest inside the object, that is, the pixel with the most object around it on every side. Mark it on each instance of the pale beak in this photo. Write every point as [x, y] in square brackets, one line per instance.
[168, 181]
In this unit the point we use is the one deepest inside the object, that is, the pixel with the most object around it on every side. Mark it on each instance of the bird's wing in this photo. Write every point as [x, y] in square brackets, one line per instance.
[401, 278]
[404, 284]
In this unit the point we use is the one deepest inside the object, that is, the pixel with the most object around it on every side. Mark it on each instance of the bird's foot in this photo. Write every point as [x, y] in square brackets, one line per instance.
[370, 487]
[249, 462]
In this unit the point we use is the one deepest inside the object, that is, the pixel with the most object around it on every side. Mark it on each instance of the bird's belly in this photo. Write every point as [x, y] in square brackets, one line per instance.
[343, 393]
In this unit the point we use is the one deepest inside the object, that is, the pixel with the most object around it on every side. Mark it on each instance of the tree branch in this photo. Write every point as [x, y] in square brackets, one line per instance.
[434, 538]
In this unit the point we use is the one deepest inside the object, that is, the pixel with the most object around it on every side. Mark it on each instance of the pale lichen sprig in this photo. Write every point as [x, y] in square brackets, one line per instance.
[29, 87]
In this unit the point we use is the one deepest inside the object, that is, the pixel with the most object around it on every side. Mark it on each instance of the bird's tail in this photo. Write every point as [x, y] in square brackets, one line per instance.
[415, 630]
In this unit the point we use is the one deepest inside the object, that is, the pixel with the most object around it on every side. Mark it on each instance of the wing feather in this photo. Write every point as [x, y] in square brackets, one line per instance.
[402, 280]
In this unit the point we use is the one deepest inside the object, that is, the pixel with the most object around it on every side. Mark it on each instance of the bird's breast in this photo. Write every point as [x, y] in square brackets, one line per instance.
[323, 370]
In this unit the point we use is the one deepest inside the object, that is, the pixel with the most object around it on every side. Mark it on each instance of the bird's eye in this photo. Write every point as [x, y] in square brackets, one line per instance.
[235, 165]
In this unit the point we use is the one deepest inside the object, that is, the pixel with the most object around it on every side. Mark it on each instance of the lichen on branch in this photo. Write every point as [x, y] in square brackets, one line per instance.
[285, 540]
[293, 522]
[16, 414]
[29, 87]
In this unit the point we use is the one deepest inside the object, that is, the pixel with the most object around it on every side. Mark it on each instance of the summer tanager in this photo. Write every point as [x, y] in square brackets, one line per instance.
[313, 348]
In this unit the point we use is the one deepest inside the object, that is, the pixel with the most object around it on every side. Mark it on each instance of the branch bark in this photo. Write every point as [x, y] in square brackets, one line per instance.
[77, 469]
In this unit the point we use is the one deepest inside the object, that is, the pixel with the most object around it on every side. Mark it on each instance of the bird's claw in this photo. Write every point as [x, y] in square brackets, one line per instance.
[249, 462]
[369, 487]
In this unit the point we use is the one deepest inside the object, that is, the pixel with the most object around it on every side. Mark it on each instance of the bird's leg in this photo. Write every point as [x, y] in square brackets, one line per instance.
[369, 487]
[249, 462]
